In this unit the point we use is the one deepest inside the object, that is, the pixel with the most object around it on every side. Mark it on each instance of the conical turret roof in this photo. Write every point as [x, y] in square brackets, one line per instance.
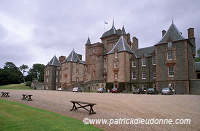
[172, 34]
[54, 62]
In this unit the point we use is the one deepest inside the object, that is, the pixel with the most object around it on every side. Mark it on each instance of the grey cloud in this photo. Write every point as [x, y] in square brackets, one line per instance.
[59, 26]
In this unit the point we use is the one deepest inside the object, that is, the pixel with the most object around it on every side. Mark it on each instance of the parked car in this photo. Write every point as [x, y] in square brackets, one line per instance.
[152, 91]
[60, 89]
[115, 90]
[76, 89]
[101, 90]
[139, 91]
[167, 91]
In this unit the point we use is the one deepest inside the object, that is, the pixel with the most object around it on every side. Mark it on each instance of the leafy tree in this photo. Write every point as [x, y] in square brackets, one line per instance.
[11, 66]
[23, 70]
[10, 74]
[37, 72]
[197, 59]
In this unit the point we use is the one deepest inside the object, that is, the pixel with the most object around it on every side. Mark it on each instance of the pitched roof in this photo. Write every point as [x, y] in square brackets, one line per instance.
[112, 31]
[197, 66]
[88, 41]
[54, 62]
[172, 34]
[120, 46]
[144, 51]
[73, 57]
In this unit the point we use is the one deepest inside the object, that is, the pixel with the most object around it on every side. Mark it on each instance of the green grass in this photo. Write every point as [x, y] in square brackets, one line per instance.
[18, 117]
[16, 86]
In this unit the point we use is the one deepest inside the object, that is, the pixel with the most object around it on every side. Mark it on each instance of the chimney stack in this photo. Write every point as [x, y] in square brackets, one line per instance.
[163, 32]
[135, 44]
[190, 33]
[62, 58]
[80, 56]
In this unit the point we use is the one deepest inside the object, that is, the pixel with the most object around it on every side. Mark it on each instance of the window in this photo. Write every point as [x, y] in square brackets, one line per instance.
[133, 75]
[77, 64]
[77, 79]
[143, 61]
[171, 85]
[144, 86]
[93, 50]
[56, 79]
[115, 64]
[154, 75]
[144, 75]
[171, 71]
[169, 44]
[133, 86]
[154, 60]
[116, 76]
[47, 79]
[133, 63]
[115, 54]
[169, 55]
[77, 71]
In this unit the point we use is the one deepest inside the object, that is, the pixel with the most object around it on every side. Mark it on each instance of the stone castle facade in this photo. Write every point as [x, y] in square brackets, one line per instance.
[117, 61]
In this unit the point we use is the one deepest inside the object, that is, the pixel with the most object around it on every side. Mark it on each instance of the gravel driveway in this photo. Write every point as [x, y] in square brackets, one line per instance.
[116, 106]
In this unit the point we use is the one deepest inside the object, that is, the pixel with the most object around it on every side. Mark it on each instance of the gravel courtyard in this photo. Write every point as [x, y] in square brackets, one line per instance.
[115, 106]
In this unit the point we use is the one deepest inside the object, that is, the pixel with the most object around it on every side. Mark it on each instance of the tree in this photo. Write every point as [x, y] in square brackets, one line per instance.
[10, 74]
[197, 58]
[37, 72]
[11, 66]
[23, 70]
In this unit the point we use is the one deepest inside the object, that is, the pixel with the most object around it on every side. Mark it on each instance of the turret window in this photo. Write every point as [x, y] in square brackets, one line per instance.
[116, 55]
[115, 64]
[169, 55]
[154, 60]
[169, 44]
[171, 71]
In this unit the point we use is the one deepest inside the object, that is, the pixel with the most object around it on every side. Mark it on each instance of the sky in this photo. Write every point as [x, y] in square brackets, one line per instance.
[33, 31]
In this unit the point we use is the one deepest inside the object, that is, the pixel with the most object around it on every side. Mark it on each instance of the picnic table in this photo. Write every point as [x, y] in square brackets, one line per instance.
[27, 97]
[83, 105]
[5, 94]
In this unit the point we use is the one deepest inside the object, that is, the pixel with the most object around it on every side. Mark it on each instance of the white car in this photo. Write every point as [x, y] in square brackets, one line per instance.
[59, 89]
[76, 89]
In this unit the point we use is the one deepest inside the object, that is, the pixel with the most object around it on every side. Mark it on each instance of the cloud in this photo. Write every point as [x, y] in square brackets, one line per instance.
[33, 31]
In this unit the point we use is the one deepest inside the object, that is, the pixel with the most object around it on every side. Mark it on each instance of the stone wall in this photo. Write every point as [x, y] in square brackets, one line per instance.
[195, 86]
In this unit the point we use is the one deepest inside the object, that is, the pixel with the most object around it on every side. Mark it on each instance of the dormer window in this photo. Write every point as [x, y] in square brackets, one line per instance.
[144, 61]
[169, 44]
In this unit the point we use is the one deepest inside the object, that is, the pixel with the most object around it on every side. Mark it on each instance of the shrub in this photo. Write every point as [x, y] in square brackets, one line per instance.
[28, 83]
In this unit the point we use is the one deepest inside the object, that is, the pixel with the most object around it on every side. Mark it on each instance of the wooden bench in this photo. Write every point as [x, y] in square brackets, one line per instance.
[5, 94]
[83, 105]
[27, 97]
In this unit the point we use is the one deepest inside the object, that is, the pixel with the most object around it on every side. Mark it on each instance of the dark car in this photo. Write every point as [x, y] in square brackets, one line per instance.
[152, 91]
[101, 90]
[139, 91]
[115, 90]
[167, 91]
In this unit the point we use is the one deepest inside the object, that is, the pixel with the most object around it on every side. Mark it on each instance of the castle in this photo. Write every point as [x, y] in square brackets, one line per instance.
[117, 61]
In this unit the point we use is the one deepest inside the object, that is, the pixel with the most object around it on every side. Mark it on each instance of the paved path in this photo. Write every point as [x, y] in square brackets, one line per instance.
[115, 106]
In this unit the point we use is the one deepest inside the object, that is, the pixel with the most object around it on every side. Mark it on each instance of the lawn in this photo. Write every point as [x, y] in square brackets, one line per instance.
[15, 116]
[16, 86]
